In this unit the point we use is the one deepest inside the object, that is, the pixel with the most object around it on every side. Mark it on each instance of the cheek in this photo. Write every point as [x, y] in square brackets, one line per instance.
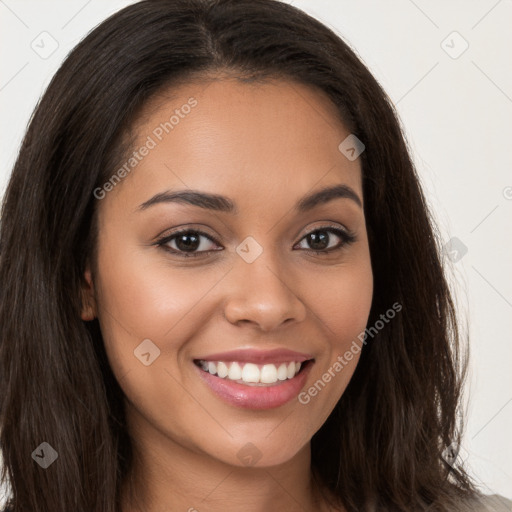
[141, 300]
[342, 310]
[144, 298]
[343, 301]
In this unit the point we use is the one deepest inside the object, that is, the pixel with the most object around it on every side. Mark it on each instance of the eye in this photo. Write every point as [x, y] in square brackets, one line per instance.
[193, 242]
[187, 242]
[320, 239]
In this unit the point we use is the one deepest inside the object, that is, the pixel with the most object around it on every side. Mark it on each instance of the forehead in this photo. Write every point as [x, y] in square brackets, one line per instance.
[257, 139]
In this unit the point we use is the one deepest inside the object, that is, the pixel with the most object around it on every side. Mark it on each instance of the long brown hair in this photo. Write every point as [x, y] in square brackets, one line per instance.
[381, 448]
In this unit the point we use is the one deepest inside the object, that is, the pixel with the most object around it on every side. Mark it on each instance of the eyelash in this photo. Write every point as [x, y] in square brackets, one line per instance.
[347, 238]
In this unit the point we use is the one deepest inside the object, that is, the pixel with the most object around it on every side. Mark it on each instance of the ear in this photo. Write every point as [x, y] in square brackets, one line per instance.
[87, 294]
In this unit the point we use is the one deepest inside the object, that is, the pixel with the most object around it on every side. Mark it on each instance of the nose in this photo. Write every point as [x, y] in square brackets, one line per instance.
[262, 293]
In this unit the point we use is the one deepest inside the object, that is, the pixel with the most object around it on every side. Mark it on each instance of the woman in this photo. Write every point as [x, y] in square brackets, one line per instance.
[221, 287]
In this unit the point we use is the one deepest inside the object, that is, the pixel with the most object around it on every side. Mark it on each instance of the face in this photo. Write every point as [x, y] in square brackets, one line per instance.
[234, 326]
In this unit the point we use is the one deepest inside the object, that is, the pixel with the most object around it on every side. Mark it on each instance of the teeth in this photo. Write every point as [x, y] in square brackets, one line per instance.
[282, 372]
[235, 372]
[251, 373]
[268, 374]
[222, 369]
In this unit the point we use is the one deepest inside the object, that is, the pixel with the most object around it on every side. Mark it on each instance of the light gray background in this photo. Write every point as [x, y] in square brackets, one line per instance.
[456, 111]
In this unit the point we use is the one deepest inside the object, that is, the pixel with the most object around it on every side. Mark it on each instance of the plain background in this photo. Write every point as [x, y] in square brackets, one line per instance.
[453, 93]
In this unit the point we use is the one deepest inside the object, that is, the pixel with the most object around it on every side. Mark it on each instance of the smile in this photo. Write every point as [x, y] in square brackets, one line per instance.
[254, 386]
[250, 373]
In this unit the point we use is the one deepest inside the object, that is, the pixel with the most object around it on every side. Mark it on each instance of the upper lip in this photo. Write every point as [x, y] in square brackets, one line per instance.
[278, 355]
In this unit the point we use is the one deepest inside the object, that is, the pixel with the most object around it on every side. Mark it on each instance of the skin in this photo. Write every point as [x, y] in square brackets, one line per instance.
[265, 146]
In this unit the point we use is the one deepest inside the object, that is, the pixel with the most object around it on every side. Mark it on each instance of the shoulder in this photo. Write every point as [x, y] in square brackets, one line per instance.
[494, 503]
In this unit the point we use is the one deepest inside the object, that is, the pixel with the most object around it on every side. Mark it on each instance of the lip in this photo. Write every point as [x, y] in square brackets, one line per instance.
[256, 397]
[278, 355]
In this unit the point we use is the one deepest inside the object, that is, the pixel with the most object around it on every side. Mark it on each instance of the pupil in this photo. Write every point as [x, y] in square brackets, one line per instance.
[319, 240]
[187, 242]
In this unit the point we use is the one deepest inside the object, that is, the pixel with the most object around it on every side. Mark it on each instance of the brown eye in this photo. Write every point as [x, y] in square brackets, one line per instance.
[319, 240]
[188, 243]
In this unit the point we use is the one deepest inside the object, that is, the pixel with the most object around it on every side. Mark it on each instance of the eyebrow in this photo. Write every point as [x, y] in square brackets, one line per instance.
[224, 204]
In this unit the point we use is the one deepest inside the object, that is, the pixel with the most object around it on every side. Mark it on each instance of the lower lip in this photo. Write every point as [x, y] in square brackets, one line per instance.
[256, 397]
